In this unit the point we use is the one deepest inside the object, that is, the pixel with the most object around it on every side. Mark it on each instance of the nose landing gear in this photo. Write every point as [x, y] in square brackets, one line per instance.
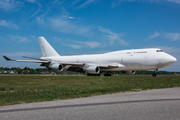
[154, 74]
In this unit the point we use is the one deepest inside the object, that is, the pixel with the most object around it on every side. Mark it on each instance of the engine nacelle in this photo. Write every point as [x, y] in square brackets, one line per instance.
[56, 67]
[93, 70]
[129, 72]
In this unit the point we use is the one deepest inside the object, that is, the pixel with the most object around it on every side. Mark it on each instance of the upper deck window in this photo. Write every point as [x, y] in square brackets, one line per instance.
[159, 51]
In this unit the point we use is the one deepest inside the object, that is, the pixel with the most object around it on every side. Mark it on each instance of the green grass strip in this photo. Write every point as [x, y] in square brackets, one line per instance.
[26, 89]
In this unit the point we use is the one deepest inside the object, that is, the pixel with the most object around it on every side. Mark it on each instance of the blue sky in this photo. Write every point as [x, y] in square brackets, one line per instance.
[88, 26]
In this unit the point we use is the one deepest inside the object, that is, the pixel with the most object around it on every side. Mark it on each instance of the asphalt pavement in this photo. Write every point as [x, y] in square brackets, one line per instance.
[161, 104]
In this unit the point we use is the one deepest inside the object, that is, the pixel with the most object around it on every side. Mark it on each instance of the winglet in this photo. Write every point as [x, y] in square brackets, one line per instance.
[8, 59]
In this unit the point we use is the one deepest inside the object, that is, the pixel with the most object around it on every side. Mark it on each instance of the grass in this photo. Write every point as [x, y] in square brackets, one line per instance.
[25, 89]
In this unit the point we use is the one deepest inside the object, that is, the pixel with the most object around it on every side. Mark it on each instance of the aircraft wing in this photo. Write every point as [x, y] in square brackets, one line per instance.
[89, 64]
[78, 67]
[114, 65]
[34, 61]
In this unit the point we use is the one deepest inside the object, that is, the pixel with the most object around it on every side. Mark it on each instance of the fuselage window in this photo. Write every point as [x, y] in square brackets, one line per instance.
[159, 51]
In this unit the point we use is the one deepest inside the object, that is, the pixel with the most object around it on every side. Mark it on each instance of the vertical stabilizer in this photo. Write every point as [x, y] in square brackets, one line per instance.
[46, 48]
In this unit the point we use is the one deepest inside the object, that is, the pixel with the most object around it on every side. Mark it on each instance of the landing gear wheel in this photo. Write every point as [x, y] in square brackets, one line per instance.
[154, 74]
[93, 74]
[107, 74]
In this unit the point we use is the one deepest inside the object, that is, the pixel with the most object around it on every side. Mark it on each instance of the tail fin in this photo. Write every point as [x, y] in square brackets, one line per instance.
[46, 48]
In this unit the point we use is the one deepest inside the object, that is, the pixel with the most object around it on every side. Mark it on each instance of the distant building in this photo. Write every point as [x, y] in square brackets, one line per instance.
[15, 72]
[2, 71]
[9, 71]
[25, 71]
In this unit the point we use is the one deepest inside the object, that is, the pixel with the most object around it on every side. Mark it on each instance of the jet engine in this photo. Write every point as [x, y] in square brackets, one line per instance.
[129, 72]
[93, 70]
[56, 67]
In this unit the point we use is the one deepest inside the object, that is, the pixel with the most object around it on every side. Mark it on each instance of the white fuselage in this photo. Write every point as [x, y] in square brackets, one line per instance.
[135, 59]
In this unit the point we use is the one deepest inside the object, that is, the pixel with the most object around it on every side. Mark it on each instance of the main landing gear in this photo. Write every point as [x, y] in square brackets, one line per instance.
[107, 74]
[93, 74]
[154, 74]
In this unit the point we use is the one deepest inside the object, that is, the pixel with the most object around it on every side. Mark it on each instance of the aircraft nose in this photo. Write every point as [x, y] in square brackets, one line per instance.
[171, 59]
[167, 60]
[174, 59]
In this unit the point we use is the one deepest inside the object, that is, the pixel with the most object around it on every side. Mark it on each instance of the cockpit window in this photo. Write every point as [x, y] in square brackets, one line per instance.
[159, 51]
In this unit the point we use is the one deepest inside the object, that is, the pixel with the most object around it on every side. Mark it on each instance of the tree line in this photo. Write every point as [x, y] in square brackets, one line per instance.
[31, 70]
[42, 70]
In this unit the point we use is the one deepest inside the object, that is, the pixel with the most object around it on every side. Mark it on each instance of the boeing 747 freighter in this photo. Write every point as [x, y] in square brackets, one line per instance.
[126, 61]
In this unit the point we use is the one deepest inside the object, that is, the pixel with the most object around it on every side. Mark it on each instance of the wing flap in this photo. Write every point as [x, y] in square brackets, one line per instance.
[33, 61]
[36, 58]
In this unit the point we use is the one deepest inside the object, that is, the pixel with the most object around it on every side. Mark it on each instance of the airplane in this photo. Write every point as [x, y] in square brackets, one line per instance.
[125, 61]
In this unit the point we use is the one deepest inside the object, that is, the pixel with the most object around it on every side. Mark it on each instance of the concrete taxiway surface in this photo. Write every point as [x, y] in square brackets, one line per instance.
[162, 104]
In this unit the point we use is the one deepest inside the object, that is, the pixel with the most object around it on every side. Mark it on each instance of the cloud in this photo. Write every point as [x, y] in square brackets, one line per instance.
[156, 34]
[10, 25]
[18, 38]
[10, 5]
[57, 2]
[32, 1]
[33, 37]
[90, 44]
[172, 36]
[39, 20]
[39, 7]
[74, 2]
[73, 46]
[71, 17]
[118, 2]
[86, 3]
[174, 1]
[112, 36]
[62, 24]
